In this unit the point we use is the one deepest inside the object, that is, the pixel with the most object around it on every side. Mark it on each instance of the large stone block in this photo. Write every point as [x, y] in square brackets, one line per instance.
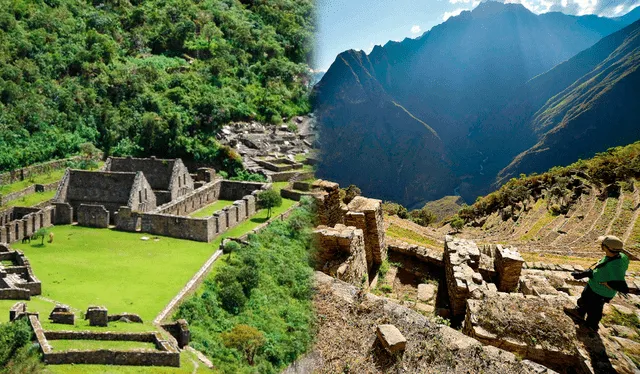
[97, 316]
[63, 214]
[391, 338]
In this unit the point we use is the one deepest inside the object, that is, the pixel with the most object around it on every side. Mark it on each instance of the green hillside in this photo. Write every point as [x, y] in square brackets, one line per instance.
[146, 77]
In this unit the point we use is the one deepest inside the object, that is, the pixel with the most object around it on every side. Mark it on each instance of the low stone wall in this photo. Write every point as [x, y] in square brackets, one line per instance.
[293, 194]
[24, 173]
[93, 216]
[166, 355]
[284, 176]
[4, 199]
[421, 253]
[461, 260]
[63, 213]
[341, 253]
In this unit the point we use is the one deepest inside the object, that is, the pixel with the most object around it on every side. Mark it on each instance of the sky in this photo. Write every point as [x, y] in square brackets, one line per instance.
[361, 24]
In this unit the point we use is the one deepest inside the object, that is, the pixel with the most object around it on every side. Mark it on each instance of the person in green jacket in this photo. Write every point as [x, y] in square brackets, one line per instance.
[604, 279]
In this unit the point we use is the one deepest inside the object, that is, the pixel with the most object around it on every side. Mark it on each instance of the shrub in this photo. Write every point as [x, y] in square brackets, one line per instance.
[13, 336]
[232, 297]
[457, 223]
[230, 246]
[394, 209]
[423, 217]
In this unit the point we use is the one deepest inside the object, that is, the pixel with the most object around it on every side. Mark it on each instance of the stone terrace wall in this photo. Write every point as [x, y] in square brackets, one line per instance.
[157, 171]
[421, 253]
[508, 263]
[27, 191]
[24, 173]
[341, 253]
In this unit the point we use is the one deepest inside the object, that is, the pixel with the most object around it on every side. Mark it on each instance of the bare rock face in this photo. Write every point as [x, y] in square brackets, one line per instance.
[426, 291]
[391, 338]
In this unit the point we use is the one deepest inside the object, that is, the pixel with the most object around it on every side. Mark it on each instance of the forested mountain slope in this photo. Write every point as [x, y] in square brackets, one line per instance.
[146, 77]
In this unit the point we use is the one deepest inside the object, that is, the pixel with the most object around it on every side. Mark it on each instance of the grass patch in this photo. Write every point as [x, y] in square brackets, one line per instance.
[411, 236]
[87, 266]
[540, 223]
[188, 364]
[210, 209]
[32, 199]
[623, 220]
[64, 345]
[47, 178]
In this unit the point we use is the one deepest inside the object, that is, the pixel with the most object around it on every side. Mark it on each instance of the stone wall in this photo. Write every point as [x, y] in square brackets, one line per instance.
[194, 200]
[169, 175]
[93, 216]
[165, 355]
[341, 253]
[293, 194]
[328, 202]
[63, 213]
[198, 229]
[508, 265]
[374, 232]
[109, 189]
[17, 281]
[462, 260]
[423, 254]
[236, 190]
[5, 198]
[24, 173]
[18, 222]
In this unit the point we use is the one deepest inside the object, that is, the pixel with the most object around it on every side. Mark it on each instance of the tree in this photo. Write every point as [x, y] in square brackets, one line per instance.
[457, 223]
[269, 199]
[232, 297]
[248, 277]
[230, 246]
[41, 233]
[245, 339]
[423, 217]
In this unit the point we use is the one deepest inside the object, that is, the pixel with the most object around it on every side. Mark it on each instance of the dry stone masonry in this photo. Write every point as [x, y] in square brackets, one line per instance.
[342, 253]
[17, 281]
[367, 214]
[18, 222]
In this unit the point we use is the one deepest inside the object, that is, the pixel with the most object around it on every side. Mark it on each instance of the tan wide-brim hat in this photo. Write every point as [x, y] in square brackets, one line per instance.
[612, 242]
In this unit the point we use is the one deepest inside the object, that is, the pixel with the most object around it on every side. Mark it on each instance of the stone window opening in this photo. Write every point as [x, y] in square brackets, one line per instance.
[146, 197]
[140, 196]
[179, 183]
[185, 179]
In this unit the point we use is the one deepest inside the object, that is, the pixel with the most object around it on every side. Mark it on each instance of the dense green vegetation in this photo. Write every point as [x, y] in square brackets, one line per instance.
[617, 166]
[265, 285]
[146, 77]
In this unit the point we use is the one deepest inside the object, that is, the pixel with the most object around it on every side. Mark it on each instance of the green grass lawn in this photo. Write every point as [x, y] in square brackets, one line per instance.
[64, 345]
[86, 266]
[411, 237]
[210, 209]
[32, 199]
[51, 177]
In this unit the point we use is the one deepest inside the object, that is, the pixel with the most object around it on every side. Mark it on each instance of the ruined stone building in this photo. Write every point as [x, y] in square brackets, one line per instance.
[169, 178]
[92, 198]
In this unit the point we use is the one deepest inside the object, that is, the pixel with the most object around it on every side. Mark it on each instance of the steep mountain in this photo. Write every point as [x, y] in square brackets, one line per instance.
[596, 112]
[380, 135]
[466, 79]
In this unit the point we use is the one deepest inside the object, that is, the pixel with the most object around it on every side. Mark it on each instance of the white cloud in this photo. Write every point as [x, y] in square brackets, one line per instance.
[415, 29]
[453, 13]
[619, 9]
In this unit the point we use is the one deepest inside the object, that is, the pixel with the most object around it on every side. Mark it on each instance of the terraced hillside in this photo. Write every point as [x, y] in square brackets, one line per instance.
[558, 214]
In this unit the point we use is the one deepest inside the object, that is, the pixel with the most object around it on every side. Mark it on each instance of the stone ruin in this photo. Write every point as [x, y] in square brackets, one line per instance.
[93, 198]
[155, 196]
[169, 178]
[19, 222]
[351, 238]
[62, 314]
[97, 316]
[17, 281]
[180, 331]
[270, 150]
